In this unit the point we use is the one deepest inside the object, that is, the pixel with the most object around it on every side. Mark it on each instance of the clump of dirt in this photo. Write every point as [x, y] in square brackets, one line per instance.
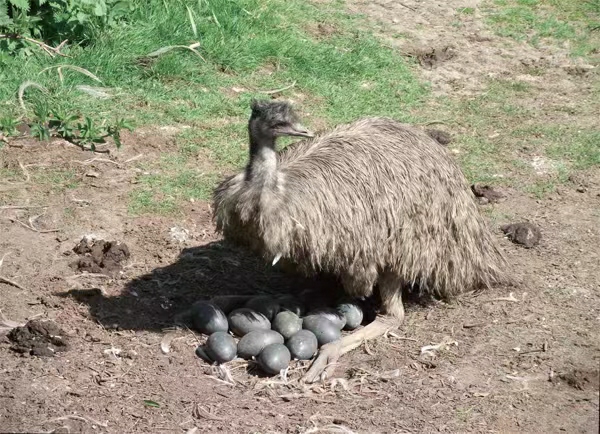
[429, 58]
[526, 234]
[486, 194]
[580, 379]
[322, 30]
[442, 137]
[579, 70]
[100, 256]
[38, 338]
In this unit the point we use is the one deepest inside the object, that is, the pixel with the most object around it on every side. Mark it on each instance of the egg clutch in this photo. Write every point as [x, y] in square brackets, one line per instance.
[272, 331]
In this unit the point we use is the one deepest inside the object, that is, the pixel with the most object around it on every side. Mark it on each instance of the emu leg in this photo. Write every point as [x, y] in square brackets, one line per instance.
[390, 291]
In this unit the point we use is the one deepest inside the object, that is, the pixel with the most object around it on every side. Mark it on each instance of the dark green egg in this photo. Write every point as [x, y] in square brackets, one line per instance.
[353, 314]
[292, 304]
[245, 320]
[267, 305]
[324, 330]
[254, 342]
[227, 303]
[287, 323]
[338, 319]
[303, 345]
[207, 318]
[273, 358]
[221, 347]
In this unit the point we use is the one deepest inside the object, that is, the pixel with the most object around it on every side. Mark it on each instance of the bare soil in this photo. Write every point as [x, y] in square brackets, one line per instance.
[521, 359]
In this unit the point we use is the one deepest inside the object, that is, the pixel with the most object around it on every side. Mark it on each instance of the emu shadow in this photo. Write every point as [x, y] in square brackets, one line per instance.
[160, 298]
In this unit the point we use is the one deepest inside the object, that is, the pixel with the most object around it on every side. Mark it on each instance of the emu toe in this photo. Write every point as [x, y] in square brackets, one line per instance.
[323, 366]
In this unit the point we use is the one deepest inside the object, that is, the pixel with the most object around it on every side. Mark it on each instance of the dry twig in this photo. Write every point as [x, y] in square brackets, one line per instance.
[52, 51]
[22, 206]
[25, 225]
[81, 418]
[201, 412]
[274, 91]
[470, 326]
[510, 298]
[7, 280]
[98, 159]
[428, 349]
[137, 157]
[402, 338]
[332, 428]
[25, 171]
[11, 282]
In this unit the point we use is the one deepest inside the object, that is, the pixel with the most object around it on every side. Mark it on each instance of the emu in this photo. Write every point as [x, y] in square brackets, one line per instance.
[377, 203]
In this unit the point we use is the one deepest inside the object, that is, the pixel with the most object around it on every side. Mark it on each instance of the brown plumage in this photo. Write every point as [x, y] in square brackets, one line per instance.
[373, 202]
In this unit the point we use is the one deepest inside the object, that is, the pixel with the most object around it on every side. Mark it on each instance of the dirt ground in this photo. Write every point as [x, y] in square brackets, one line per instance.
[521, 359]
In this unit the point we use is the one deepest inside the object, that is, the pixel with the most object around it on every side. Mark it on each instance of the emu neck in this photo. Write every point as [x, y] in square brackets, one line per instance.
[262, 168]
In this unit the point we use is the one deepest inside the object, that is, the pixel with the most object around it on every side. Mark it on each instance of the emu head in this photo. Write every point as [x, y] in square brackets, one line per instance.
[272, 119]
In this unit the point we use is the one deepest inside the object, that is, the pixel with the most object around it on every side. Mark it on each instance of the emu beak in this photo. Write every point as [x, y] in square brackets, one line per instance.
[294, 130]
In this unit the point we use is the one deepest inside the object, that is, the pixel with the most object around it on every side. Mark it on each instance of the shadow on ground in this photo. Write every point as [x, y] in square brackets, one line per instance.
[160, 298]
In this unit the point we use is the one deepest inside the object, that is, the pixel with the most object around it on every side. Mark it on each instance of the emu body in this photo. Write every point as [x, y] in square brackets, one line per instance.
[375, 202]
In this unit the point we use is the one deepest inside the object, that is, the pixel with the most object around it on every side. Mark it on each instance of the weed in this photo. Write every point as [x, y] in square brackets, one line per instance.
[52, 22]
[8, 125]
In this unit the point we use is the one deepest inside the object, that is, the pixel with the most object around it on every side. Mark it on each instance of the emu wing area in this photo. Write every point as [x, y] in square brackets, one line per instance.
[377, 194]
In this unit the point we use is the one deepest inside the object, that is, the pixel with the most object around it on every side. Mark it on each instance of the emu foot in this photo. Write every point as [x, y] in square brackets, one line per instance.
[324, 365]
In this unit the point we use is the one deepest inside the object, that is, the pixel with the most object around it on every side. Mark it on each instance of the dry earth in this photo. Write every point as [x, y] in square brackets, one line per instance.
[521, 362]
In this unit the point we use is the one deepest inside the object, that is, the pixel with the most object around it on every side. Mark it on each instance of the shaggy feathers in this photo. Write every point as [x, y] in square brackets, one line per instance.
[374, 201]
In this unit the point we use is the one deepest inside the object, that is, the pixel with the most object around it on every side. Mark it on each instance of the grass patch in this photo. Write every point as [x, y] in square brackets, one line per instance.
[162, 192]
[466, 11]
[572, 21]
[511, 132]
[509, 142]
[582, 151]
[247, 46]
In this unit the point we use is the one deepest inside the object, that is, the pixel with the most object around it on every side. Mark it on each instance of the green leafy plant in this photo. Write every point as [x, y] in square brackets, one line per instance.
[88, 133]
[50, 119]
[53, 21]
[40, 131]
[8, 125]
